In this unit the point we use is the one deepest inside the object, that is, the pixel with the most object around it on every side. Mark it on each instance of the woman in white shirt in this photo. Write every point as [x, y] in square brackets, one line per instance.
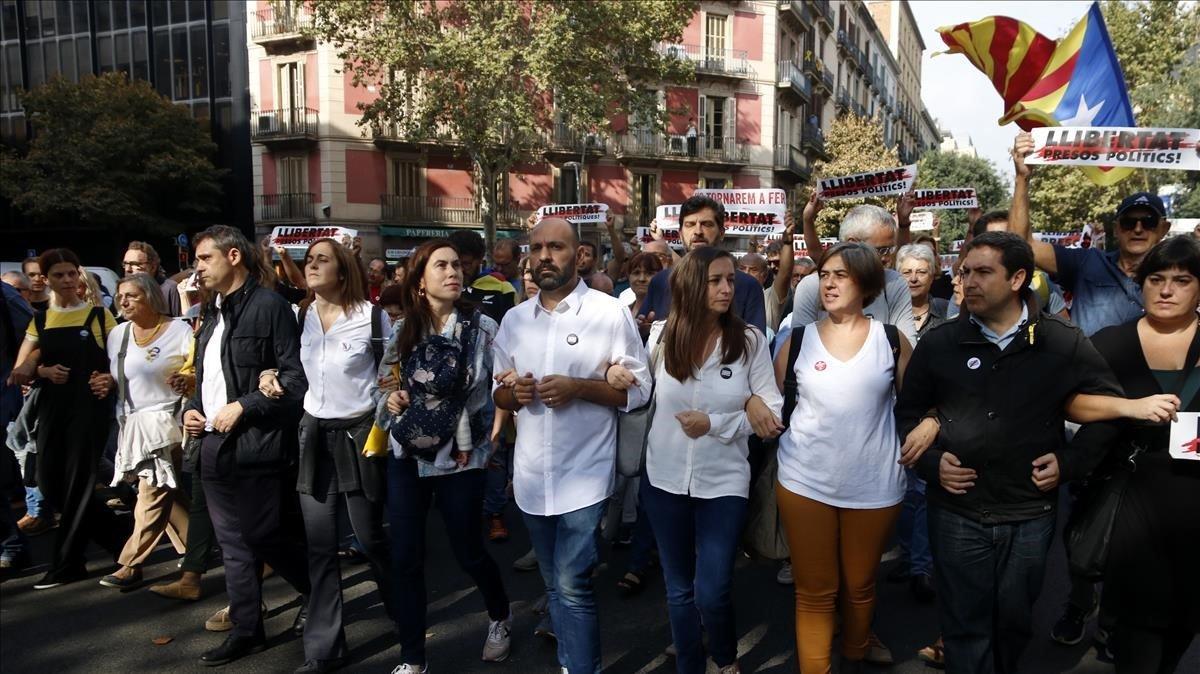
[341, 334]
[697, 481]
[840, 483]
[145, 355]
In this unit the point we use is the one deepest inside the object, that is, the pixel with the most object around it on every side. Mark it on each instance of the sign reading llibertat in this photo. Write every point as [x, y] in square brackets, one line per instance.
[1118, 146]
[873, 184]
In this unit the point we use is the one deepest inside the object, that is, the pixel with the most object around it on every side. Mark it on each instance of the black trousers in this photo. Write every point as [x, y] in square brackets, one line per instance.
[324, 638]
[256, 518]
[200, 538]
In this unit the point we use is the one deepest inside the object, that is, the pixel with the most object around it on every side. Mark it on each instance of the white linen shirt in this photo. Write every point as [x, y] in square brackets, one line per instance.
[213, 393]
[714, 464]
[565, 457]
[339, 363]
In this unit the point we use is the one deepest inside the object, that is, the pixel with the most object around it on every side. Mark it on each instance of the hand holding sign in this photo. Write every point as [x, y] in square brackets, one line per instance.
[1022, 147]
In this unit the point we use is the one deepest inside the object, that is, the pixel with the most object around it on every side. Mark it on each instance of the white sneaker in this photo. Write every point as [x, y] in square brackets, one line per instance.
[784, 577]
[499, 641]
[410, 669]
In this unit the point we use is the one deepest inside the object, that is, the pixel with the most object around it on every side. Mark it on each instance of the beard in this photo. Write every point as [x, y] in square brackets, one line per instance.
[557, 279]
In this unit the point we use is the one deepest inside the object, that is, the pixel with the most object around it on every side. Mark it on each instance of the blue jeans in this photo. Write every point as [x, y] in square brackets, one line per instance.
[988, 577]
[566, 551]
[34, 501]
[697, 543]
[495, 495]
[913, 528]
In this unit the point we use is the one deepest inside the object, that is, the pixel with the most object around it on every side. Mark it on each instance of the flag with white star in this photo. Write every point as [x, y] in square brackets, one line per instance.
[1075, 81]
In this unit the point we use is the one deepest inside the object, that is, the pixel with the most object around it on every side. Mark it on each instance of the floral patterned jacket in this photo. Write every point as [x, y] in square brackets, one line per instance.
[479, 402]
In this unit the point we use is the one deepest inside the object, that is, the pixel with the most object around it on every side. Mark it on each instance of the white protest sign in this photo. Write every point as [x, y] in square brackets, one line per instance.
[874, 184]
[1117, 146]
[921, 221]
[667, 216]
[671, 236]
[576, 214]
[751, 212]
[955, 197]
[1185, 437]
[302, 237]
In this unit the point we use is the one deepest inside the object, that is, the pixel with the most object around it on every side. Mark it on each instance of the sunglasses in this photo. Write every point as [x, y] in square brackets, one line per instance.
[1130, 222]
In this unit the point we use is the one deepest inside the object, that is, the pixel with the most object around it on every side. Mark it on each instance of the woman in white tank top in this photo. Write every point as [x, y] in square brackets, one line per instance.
[840, 483]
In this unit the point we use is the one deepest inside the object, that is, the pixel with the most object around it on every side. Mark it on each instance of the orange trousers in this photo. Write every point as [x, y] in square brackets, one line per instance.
[831, 549]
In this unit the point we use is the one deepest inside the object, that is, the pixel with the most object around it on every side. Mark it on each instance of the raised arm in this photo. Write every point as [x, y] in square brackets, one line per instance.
[1018, 214]
[617, 263]
[812, 240]
[904, 209]
[787, 260]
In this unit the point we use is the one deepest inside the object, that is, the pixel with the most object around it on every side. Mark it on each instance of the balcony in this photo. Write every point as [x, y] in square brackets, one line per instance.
[400, 209]
[723, 63]
[825, 12]
[563, 139]
[796, 11]
[285, 127]
[392, 136]
[289, 207]
[821, 77]
[791, 78]
[812, 141]
[859, 109]
[658, 149]
[281, 32]
[791, 159]
[842, 101]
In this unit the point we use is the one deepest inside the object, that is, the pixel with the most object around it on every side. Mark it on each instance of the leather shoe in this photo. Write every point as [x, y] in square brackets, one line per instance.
[922, 589]
[232, 648]
[321, 666]
[301, 618]
[899, 573]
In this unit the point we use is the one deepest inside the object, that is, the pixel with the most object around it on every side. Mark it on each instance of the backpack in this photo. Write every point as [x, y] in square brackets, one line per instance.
[791, 387]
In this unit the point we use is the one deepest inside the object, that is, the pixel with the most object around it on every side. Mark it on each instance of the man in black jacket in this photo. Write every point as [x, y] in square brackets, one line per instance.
[248, 441]
[999, 378]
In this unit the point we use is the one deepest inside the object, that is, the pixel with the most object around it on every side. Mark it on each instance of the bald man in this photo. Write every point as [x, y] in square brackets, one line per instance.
[661, 250]
[551, 356]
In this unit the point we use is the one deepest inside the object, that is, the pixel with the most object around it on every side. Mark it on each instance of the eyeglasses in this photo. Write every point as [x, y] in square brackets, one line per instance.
[1130, 222]
[128, 264]
[884, 250]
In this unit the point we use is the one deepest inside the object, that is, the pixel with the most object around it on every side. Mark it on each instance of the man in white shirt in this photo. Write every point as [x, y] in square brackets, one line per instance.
[552, 355]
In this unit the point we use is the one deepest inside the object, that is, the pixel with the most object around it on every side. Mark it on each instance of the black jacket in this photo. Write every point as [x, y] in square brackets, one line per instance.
[1001, 410]
[260, 334]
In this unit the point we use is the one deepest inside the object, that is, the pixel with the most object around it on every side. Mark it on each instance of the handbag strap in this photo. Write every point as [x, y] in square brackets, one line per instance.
[791, 387]
[122, 381]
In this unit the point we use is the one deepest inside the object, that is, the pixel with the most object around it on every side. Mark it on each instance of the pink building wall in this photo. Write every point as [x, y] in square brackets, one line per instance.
[312, 93]
[746, 181]
[749, 118]
[270, 176]
[530, 186]
[686, 99]
[352, 95]
[366, 176]
[314, 173]
[748, 34]
[691, 33]
[609, 185]
[677, 186]
[448, 177]
[266, 84]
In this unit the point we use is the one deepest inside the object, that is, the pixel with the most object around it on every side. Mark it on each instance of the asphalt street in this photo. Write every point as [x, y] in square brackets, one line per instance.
[85, 627]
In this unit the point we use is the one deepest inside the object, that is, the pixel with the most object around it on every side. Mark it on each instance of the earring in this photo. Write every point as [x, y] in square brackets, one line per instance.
[421, 292]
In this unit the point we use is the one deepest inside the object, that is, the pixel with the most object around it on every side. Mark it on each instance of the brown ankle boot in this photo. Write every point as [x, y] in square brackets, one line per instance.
[186, 588]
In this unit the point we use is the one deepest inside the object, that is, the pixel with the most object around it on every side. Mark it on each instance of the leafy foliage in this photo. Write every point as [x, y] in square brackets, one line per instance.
[495, 75]
[950, 169]
[113, 153]
[855, 145]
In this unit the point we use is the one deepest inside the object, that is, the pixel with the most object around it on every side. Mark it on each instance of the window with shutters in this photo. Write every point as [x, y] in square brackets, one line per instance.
[715, 39]
[406, 178]
[292, 173]
[644, 199]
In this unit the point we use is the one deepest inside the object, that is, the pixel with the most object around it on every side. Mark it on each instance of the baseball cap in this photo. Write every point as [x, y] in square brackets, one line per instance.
[1143, 200]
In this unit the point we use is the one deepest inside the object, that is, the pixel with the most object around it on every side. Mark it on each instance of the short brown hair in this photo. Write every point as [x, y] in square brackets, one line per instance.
[864, 266]
[151, 254]
[647, 262]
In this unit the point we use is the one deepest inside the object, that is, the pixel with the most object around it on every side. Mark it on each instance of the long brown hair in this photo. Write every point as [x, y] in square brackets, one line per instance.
[689, 317]
[352, 275]
[418, 314]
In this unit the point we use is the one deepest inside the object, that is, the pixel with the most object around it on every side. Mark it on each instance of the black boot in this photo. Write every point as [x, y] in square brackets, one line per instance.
[301, 617]
[233, 648]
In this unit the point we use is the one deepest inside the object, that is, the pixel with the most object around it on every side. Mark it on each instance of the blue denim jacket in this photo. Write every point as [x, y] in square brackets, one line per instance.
[1103, 294]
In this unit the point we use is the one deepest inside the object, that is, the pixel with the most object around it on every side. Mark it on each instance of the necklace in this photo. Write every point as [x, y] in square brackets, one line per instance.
[154, 334]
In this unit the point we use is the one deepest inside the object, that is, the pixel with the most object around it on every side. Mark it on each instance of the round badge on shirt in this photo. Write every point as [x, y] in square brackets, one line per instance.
[973, 363]
[726, 373]
[820, 366]
[572, 339]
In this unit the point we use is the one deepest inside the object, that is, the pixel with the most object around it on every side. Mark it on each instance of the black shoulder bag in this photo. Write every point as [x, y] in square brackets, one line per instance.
[1089, 532]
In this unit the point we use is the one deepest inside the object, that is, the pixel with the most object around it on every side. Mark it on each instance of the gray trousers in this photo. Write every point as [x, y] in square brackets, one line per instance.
[324, 638]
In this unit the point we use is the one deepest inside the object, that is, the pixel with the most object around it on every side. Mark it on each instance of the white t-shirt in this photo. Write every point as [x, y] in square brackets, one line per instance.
[147, 368]
[339, 363]
[841, 446]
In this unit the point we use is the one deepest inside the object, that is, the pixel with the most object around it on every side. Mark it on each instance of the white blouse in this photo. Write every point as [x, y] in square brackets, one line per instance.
[716, 463]
[339, 363]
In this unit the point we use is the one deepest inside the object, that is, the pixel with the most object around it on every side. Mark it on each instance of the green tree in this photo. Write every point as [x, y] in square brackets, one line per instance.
[951, 169]
[855, 145]
[1063, 199]
[109, 152]
[495, 75]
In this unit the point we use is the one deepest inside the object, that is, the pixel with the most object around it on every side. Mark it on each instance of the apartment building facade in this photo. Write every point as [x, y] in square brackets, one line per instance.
[768, 77]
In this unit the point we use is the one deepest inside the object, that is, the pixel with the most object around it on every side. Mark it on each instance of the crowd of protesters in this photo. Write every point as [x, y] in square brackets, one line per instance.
[693, 406]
